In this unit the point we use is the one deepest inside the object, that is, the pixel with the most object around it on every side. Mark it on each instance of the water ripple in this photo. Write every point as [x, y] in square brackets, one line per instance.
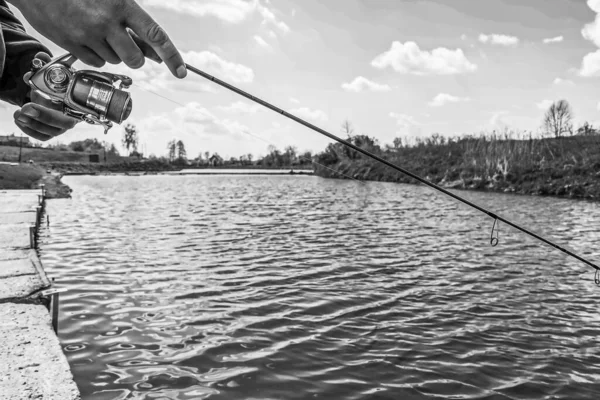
[276, 287]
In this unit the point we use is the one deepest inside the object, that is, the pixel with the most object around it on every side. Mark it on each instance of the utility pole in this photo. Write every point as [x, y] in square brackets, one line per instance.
[20, 147]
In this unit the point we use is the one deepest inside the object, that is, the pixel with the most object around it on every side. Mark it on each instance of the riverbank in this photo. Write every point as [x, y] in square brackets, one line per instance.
[562, 167]
[33, 365]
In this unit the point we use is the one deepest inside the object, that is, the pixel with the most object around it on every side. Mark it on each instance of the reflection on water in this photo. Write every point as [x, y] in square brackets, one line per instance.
[281, 287]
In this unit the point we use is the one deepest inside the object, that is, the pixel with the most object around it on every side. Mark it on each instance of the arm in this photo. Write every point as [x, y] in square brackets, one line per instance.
[17, 50]
[99, 31]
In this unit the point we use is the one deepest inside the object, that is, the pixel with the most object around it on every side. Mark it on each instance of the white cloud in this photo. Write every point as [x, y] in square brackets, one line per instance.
[294, 100]
[261, 42]
[497, 121]
[594, 5]
[197, 127]
[444, 98]
[269, 17]
[598, 107]
[553, 40]
[463, 37]
[156, 77]
[591, 31]
[591, 65]
[409, 59]
[307, 113]
[360, 84]
[241, 107]
[230, 11]
[501, 40]
[591, 62]
[544, 104]
[560, 81]
[213, 64]
[403, 120]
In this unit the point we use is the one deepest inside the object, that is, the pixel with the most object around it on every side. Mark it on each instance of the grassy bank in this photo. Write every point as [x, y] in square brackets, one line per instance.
[27, 176]
[565, 167]
[145, 166]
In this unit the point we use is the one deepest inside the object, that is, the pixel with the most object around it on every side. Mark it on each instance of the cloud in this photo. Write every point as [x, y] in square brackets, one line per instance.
[501, 40]
[156, 77]
[230, 11]
[497, 121]
[261, 42]
[443, 99]
[553, 40]
[544, 104]
[197, 127]
[307, 113]
[213, 64]
[463, 37]
[590, 66]
[403, 120]
[360, 84]
[598, 107]
[591, 31]
[560, 81]
[241, 107]
[591, 62]
[409, 59]
[294, 100]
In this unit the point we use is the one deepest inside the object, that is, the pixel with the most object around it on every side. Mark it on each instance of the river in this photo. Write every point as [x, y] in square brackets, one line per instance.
[298, 287]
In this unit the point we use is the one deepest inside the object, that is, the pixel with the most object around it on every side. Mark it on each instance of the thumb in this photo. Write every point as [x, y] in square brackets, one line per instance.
[37, 98]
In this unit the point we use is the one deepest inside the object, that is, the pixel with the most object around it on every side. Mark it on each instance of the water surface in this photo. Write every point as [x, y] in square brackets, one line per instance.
[297, 287]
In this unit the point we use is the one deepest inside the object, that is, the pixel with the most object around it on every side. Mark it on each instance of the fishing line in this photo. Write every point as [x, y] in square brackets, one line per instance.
[397, 168]
[257, 137]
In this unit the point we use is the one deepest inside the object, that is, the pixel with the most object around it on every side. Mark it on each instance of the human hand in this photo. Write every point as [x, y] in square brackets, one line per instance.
[42, 119]
[97, 31]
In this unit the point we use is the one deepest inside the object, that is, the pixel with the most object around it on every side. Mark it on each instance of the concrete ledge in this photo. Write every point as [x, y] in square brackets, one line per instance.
[38, 368]
[32, 364]
[25, 217]
[15, 236]
[15, 287]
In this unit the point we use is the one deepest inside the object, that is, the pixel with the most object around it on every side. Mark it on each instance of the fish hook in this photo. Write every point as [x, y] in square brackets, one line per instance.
[597, 277]
[495, 235]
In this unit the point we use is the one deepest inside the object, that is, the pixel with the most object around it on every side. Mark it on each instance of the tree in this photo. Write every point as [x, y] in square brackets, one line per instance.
[181, 153]
[586, 129]
[558, 119]
[290, 155]
[172, 148]
[347, 128]
[207, 155]
[130, 138]
[249, 157]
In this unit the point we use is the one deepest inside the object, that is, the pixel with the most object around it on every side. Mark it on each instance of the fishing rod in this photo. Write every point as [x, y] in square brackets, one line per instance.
[494, 238]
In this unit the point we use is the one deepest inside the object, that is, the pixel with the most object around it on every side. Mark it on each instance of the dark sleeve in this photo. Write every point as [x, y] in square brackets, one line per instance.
[17, 50]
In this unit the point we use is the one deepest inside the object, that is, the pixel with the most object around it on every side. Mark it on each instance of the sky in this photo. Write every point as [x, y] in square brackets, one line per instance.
[393, 68]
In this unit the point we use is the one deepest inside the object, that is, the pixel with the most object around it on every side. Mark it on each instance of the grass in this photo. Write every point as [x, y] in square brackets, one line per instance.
[36, 154]
[520, 163]
[22, 176]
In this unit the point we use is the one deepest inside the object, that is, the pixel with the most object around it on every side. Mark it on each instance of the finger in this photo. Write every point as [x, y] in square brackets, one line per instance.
[27, 76]
[126, 49]
[34, 134]
[152, 33]
[47, 116]
[38, 126]
[39, 99]
[107, 53]
[88, 56]
[145, 47]
[45, 57]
